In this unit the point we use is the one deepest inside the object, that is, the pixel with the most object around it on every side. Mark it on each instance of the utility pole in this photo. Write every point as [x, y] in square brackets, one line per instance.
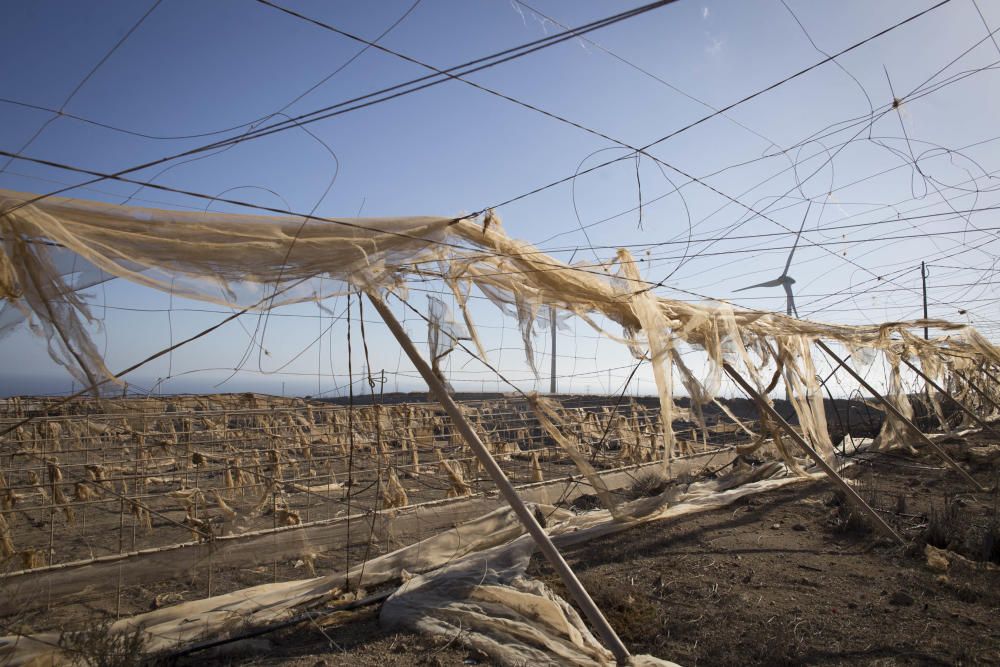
[923, 280]
[552, 378]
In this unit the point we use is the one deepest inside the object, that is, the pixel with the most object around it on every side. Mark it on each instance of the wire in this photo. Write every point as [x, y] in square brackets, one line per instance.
[376, 97]
[730, 106]
[644, 8]
[256, 121]
[93, 70]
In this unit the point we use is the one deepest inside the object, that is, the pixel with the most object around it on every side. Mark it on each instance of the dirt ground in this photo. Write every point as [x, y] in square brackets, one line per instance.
[353, 639]
[787, 577]
[793, 577]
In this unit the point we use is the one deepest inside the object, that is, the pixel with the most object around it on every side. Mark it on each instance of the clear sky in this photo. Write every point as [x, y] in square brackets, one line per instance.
[193, 67]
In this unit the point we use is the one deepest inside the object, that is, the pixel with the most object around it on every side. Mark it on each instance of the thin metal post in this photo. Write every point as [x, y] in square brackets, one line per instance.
[965, 408]
[923, 280]
[768, 409]
[552, 377]
[527, 518]
[899, 415]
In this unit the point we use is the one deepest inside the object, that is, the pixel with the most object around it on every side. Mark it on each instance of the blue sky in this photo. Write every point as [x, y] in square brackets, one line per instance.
[195, 67]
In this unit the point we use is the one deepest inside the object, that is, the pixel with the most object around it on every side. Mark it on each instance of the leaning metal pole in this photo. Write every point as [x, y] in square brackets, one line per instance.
[535, 529]
[552, 322]
[768, 409]
[996, 380]
[899, 415]
[966, 409]
[982, 394]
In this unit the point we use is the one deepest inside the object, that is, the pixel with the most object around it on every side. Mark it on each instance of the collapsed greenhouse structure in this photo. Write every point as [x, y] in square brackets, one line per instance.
[274, 510]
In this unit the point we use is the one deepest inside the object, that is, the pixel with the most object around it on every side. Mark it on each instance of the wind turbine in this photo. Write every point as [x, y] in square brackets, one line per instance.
[785, 280]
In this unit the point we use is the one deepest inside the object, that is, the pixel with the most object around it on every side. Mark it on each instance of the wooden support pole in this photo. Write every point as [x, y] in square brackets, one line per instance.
[964, 407]
[769, 410]
[541, 538]
[899, 415]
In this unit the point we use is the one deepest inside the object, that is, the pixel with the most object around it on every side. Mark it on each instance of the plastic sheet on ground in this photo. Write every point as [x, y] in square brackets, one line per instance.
[224, 615]
[485, 600]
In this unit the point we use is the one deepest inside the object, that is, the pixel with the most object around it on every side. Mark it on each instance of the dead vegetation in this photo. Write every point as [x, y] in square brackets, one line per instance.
[99, 645]
[955, 527]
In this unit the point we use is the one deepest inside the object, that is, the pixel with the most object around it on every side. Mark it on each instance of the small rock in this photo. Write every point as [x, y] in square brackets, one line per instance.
[775, 526]
[900, 599]
[799, 527]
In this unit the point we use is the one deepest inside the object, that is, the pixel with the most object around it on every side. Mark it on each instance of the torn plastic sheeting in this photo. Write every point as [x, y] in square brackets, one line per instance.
[545, 412]
[443, 334]
[228, 259]
[263, 261]
[485, 601]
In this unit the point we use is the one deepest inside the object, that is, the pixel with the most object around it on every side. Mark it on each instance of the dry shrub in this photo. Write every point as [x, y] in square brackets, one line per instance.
[453, 470]
[393, 493]
[848, 517]
[99, 645]
[6, 543]
[955, 528]
[646, 485]
[287, 517]
[536, 468]
[32, 558]
[944, 526]
[82, 492]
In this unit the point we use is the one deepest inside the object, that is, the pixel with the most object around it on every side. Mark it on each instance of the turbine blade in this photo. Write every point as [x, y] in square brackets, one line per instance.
[795, 245]
[768, 283]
